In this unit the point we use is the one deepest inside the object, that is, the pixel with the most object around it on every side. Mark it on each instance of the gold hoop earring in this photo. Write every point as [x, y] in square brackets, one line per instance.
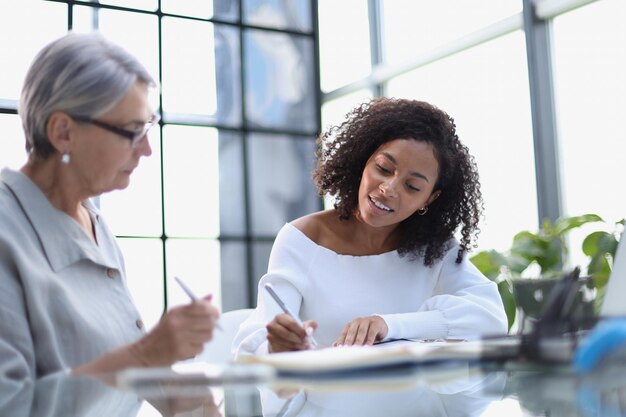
[422, 211]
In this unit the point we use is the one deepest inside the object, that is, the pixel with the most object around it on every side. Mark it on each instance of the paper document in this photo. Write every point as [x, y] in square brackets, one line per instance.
[357, 357]
[376, 379]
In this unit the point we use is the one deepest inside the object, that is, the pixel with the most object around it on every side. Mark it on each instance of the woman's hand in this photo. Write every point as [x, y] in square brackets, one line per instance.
[284, 334]
[363, 331]
[180, 334]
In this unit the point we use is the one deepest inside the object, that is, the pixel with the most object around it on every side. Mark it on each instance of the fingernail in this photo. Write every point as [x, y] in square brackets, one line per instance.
[208, 297]
[309, 331]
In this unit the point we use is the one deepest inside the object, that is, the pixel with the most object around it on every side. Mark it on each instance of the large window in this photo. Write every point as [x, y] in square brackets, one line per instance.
[490, 105]
[590, 63]
[471, 58]
[414, 27]
[239, 98]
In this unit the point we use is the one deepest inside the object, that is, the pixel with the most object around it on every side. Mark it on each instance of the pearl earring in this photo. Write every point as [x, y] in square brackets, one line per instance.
[65, 158]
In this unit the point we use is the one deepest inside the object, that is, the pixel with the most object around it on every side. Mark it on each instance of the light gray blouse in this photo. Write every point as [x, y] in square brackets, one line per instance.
[63, 298]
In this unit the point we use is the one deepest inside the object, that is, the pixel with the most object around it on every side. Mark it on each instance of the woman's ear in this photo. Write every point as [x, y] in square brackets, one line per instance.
[58, 130]
[433, 197]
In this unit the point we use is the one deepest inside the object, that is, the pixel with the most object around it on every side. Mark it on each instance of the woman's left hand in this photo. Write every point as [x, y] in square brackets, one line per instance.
[362, 331]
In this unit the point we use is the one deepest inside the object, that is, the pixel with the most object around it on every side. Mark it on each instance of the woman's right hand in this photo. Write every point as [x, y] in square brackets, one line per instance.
[180, 334]
[284, 334]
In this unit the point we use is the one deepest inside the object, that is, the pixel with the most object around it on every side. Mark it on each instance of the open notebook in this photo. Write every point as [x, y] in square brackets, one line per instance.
[356, 358]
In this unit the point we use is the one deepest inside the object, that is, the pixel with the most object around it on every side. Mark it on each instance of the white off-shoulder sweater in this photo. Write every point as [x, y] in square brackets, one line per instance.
[444, 301]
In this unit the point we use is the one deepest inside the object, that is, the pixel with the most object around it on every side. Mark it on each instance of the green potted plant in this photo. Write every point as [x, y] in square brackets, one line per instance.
[544, 252]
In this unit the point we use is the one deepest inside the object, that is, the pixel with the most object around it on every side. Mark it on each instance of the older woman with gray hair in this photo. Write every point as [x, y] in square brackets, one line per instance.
[64, 301]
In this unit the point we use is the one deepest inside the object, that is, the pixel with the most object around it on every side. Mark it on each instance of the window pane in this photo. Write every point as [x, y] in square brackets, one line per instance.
[197, 262]
[26, 26]
[85, 18]
[491, 107]
[218, 9]
[344, 53]
[232, 204]
[590, 63]
[280, 87]
[260, 258]
[191, 185]
[295, 15]
[281, 188]
[206, 84]
[334, 112]
[136, 211]
[144, 272]
[135, 32]
[412, 27]
[234, 276]
[228, 75]
[12, 151]
[133, 4]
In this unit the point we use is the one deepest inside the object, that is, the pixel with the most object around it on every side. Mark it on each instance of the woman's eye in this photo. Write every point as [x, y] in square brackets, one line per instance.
[383, 169]
[412, 188]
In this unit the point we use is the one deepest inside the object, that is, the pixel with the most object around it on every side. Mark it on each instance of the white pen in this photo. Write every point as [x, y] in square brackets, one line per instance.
[309, 330]
[191, 295]
[186, 289]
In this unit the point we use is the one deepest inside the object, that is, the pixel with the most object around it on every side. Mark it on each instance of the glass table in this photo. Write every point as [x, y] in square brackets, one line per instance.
[452, 389]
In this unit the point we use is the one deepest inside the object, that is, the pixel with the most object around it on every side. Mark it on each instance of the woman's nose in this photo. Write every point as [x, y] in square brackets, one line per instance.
[144, 146]
[387, 188]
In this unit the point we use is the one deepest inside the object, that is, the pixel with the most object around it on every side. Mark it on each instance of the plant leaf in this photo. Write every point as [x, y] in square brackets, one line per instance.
[543, 249]
[600, 279]
[528, 245]
[506, 293]
[551, 257]
[599, 242]
[599, 264]
[489, 263]
[562, 226]
[517, 264]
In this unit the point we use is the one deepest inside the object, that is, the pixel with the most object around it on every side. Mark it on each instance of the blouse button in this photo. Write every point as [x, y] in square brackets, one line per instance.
[111, 273]
[139, 324]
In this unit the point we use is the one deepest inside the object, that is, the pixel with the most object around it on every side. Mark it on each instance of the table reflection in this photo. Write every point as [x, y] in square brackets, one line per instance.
[456, 390]
[561, 392]
[62, 395]
[462, 395]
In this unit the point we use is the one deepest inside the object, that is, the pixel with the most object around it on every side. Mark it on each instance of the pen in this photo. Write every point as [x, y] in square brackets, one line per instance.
[191, 295]
[309, 330]
[186, 289]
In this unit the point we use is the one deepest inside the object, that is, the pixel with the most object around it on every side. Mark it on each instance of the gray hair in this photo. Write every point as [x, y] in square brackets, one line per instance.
[80, 74]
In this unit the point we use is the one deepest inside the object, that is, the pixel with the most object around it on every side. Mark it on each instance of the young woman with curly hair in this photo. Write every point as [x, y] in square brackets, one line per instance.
[384, 262]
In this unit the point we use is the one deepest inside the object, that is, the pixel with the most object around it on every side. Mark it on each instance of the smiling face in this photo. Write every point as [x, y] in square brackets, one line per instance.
[398, 179]
[103, 160]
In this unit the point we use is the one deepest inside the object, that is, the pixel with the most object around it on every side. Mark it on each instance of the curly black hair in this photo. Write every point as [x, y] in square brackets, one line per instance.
[343, 151]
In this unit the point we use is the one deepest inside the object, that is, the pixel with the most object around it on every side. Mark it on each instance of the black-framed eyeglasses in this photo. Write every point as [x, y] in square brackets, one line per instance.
[134, 136]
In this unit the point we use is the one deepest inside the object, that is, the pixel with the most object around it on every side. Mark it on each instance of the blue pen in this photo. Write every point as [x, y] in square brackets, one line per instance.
[309, 330]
